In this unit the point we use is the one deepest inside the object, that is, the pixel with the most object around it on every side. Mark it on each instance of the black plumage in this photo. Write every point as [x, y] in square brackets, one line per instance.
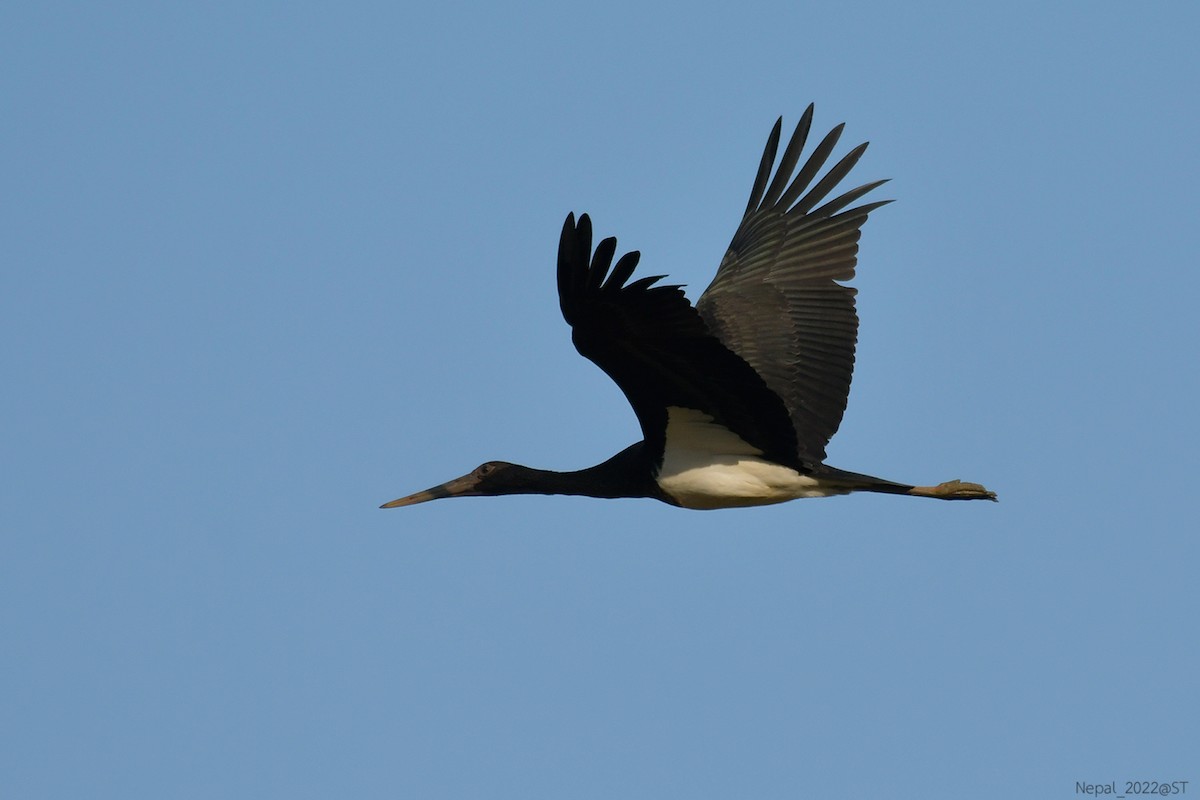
[658, 350]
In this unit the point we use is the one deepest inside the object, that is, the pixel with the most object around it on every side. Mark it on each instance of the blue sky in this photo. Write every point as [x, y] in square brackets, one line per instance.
[267, 267]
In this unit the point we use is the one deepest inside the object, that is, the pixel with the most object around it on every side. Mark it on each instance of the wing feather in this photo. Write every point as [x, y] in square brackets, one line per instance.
[656, 347]
[776, 299]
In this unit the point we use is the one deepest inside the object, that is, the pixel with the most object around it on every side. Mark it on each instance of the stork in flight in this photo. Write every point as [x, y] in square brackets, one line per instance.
[738, 395]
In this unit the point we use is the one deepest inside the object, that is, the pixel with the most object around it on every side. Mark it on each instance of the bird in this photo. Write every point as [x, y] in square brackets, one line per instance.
[738, 395]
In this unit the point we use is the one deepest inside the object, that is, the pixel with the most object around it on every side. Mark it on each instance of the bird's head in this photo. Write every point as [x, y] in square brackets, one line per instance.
[492, 478]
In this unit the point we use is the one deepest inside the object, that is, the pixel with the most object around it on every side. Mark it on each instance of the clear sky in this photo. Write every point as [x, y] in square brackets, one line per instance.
[268, 265]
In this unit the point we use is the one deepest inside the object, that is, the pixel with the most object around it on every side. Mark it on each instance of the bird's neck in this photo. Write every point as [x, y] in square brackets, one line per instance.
[627, 474]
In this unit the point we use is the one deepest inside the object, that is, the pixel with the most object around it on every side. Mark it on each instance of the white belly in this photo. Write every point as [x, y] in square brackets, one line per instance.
[706, 466]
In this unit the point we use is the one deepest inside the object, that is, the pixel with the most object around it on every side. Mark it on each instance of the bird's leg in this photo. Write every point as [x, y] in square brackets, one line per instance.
[954, 490]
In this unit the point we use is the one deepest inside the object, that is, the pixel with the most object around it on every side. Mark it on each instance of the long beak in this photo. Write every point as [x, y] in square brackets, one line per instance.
[455, 488]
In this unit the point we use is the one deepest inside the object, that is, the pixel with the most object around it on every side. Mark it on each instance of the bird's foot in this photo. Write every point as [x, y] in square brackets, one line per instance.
[954, 490]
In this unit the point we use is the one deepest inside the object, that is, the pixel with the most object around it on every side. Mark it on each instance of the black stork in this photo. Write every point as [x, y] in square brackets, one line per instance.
[738, 395]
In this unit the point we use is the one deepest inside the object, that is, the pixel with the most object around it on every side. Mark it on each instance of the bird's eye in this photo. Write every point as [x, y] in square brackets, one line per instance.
[485, 469]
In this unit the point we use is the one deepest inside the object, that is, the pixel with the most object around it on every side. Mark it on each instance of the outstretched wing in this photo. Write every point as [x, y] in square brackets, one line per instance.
[655, 346]
[776, 300]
